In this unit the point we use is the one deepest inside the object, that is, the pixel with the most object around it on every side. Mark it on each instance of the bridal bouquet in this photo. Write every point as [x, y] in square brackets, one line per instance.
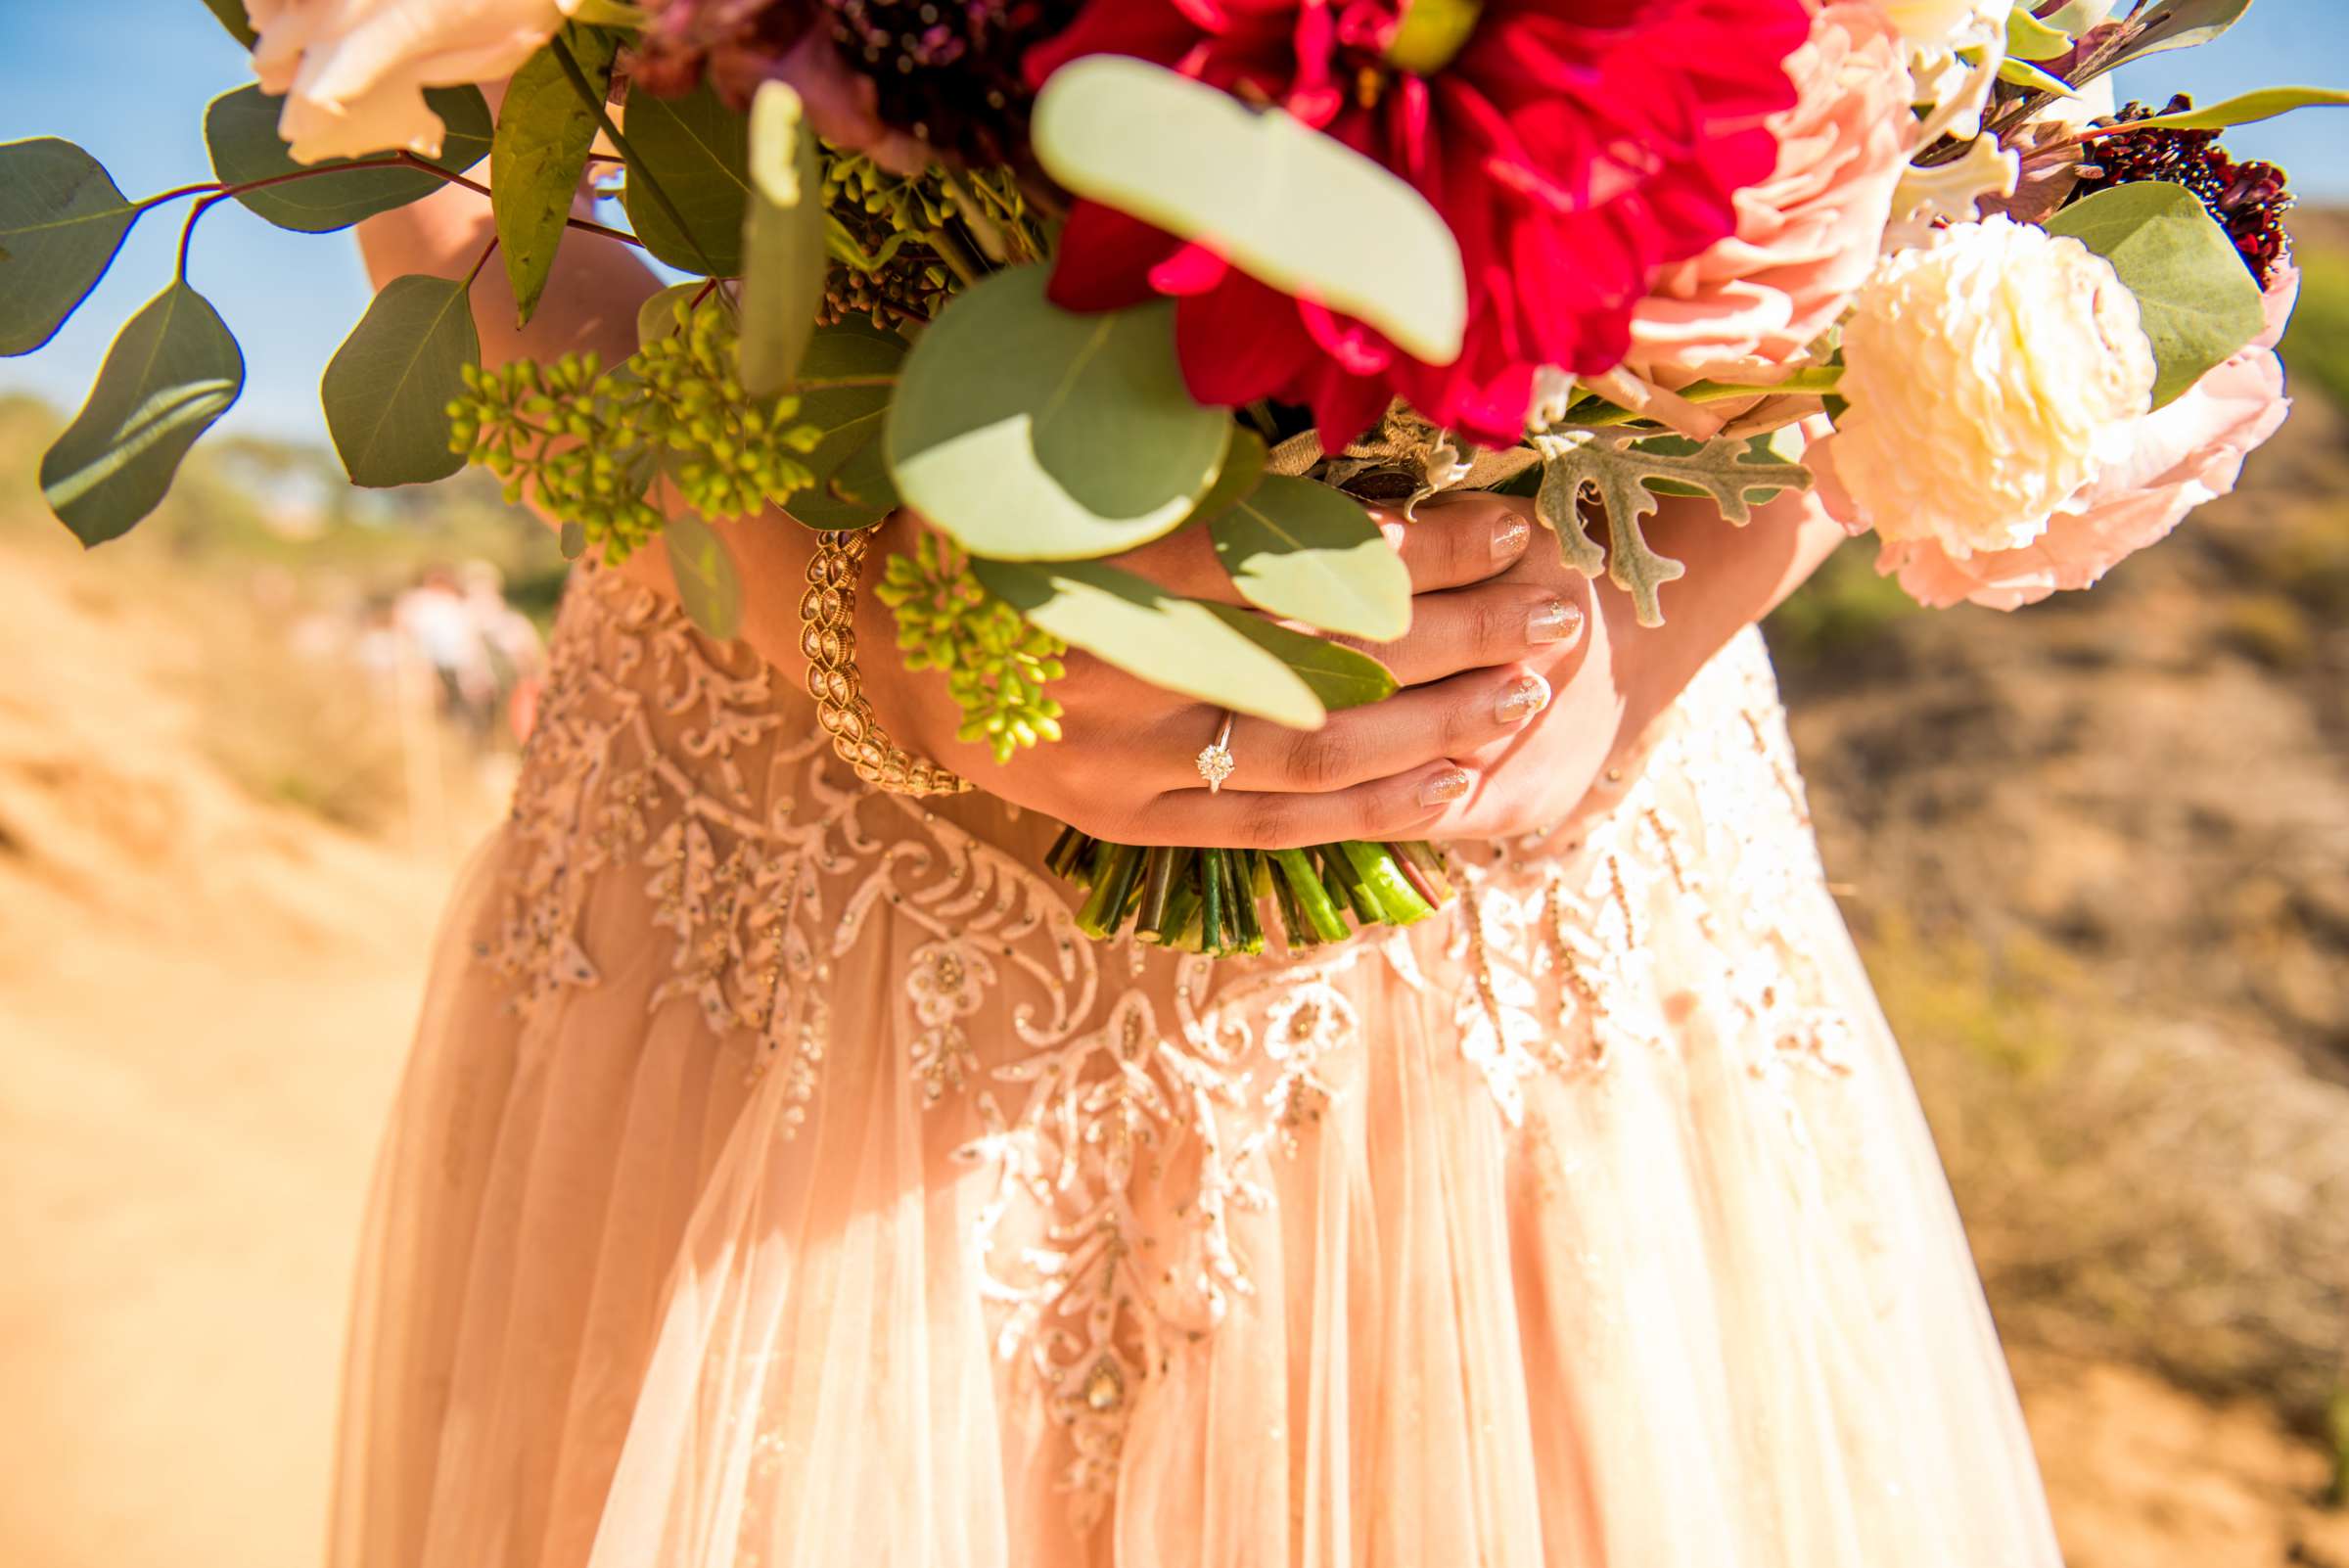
[1064, 276]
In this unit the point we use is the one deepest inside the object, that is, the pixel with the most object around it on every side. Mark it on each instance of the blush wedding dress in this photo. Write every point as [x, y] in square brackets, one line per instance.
[782, 1181]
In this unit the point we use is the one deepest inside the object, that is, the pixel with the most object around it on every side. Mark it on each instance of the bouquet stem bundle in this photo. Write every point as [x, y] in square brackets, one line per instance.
[1212, 902]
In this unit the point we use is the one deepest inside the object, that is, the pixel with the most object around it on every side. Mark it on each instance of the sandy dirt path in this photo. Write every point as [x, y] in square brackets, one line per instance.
[184, 1152]
[204, 1000]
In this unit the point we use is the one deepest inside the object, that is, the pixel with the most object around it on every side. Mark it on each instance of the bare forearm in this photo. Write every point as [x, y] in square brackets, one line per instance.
[1737, 576]
[589, 305]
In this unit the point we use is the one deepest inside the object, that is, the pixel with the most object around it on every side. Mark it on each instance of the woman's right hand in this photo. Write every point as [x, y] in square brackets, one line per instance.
[1125, 768]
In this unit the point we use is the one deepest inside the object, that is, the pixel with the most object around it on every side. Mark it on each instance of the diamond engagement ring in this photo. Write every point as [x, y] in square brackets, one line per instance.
[1215, 763]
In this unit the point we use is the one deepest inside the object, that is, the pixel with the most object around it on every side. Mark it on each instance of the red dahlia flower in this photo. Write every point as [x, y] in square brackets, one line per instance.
[1574, 147]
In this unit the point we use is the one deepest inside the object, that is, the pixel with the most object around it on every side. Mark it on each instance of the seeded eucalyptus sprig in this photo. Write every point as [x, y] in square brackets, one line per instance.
[997, 664]
[590, 445]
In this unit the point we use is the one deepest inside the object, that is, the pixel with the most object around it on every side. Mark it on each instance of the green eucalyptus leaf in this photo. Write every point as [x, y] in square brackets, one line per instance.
[1341, 676]
[783, 251]
[657, 317]
[709, 587]
[1311, 216]
[1178, 644]
[230, 14]
[240, 131]
[1030, 433]
[2180, 25]
[853, 489]
[62, 219]
[388, 389]
[852, 351]
[1303, 550]
[173, 369]
[545, 132]
[571, 540]
[1243, 466]
[2265, 104]
[846, 378]
[2196, 299]
[695, 151]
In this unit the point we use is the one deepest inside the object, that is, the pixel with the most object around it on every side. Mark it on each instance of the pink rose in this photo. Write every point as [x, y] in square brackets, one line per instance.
[2176, 458]
[1808, 236]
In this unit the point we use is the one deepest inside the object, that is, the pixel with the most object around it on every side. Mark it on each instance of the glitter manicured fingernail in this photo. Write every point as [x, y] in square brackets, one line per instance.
[1448, 785]
[1525, 696]
[1509, 538]
[1556, 622]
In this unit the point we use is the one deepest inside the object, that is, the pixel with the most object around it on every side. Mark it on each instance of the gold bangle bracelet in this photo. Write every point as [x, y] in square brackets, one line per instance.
[828, 637]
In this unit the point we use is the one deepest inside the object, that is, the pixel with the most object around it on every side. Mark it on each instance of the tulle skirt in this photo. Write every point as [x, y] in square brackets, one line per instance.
[781, 1181]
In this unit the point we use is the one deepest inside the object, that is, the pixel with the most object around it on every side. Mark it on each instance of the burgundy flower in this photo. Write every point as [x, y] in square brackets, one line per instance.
[1574, 147]
[920, 76]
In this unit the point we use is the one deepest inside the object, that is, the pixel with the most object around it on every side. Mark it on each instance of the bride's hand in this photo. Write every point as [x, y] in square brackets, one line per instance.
[1607, 687]
[1400, 768]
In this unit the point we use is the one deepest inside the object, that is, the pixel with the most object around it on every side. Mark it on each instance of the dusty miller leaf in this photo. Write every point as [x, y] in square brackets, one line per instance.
[1625, 471]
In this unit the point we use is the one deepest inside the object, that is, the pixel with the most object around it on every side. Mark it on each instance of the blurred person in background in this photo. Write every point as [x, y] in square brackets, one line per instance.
[516, 653]
[439, 619]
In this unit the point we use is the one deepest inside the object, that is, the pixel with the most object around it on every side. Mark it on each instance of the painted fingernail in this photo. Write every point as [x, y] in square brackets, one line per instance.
[1448, 785]
[1554, 621]
[1508, 540]
[1525, 696]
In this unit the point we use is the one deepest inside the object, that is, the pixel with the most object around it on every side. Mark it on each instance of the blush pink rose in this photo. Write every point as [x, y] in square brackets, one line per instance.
[353, 71]
[1808, 236]
[2176, 458]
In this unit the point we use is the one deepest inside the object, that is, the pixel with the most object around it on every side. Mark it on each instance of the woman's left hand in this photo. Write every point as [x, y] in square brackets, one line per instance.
[1533, 774]
[1602, 689]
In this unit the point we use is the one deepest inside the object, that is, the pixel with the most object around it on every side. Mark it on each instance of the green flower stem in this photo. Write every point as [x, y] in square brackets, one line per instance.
[1182, 912]
[1398, 901]
[1069, 854]
[1332, 884]
[1212, 902]
[1816, 380]
[952, 253]
[1166, 869]
[1115, 872]
[1351, 884]
[1292, 920]
[1247, 914]
[1319, 912]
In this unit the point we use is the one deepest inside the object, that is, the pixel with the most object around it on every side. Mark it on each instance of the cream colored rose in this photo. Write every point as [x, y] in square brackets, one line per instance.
[1989, 375]
[353, 71]
[2174, 459]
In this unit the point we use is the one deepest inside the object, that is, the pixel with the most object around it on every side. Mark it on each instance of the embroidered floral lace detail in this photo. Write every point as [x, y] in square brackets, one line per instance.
[1126, 1103]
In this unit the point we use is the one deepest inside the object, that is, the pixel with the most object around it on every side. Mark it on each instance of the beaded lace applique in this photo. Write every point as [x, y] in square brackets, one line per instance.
[688, 768]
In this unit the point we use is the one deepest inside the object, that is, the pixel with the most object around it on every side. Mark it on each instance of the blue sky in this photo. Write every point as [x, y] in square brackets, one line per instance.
[128, 81]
